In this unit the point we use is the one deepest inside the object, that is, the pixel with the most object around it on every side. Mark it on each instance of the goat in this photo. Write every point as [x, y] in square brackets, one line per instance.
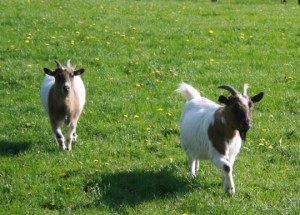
[63, 98]
[209, 131]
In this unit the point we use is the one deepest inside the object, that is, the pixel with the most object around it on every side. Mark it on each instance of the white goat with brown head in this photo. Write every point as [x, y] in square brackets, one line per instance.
[209, 131]
[63, 98]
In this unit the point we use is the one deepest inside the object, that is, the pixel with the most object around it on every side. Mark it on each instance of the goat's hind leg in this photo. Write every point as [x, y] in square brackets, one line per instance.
[193, 167]
[74, 137]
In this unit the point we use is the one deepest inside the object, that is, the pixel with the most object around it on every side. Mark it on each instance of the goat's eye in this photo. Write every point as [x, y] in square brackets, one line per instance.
[250, 105]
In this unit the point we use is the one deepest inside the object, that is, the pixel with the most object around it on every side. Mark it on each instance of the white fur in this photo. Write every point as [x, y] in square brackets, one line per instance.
[197, 116]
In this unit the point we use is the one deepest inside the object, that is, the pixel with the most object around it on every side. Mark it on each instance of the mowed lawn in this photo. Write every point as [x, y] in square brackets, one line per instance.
[128, 158]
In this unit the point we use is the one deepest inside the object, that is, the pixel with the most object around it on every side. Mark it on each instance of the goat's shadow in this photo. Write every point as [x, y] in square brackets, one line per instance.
[8, 148]
[134, 187]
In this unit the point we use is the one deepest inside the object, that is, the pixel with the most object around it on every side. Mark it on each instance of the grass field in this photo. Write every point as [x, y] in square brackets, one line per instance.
[128, 158]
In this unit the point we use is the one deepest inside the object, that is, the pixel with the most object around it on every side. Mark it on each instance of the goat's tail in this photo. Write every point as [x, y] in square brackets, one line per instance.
[188, 91]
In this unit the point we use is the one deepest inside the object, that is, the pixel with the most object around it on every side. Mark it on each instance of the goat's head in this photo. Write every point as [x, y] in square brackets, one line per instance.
[63, 76]
[239, 108]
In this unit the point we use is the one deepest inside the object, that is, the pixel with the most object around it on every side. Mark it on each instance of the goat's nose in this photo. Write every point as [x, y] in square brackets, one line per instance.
[66, 88]
[246, 125]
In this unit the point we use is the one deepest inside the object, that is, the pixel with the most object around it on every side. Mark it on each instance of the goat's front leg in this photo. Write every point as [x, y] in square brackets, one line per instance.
[227, 169]
[58, 136]
[71, 136]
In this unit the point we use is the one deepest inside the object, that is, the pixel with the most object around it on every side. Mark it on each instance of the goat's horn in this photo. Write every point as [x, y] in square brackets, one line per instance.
[246, 86]
[58, 64]
[230, 89]
[69, 63]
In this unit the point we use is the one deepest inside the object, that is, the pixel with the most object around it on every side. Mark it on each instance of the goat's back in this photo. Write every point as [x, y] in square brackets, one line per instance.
[78, 83]
[48, 82]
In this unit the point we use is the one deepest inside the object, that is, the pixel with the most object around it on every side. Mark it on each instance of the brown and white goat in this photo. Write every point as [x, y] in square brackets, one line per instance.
[63, 98]
[209, 131]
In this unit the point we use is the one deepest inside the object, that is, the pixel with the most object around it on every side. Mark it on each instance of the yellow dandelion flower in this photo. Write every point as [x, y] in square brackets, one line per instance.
[27, 41]
[77, 32]
[29, 66]
[138, 85]
[211, 31]
[270, 147]
[169, 114]
[262, 139]
[46, 44]
[96, 161]
[212, 60]
[261, 144]
[97, 59]
[125, 116]
[160, 109]
[72, 42]
[242, 36]
[53, 37]
[63, 174]
[136, 116]
[27, 124]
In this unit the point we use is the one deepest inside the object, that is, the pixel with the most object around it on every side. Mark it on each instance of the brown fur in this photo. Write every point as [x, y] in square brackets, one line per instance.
[63, 108]
[218, 132]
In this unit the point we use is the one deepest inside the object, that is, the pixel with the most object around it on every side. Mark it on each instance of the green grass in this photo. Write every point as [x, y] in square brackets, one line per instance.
[128, 158]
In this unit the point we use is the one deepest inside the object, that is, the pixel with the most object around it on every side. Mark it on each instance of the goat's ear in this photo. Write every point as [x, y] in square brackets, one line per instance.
[257, 97]
[79, 71]
[223, 99]
[49, 72]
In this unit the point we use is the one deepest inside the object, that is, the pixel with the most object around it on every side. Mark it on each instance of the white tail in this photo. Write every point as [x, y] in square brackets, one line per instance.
[188, 91]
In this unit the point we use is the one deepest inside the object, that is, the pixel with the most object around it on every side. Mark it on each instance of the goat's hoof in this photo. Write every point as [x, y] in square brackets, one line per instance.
[62, 147]
[230, 191]
[74, 139]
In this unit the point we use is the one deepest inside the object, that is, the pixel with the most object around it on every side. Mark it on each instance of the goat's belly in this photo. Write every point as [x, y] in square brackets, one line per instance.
[196, 150]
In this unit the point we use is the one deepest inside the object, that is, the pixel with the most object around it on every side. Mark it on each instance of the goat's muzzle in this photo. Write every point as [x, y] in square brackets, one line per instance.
[66, 89]
[244, 128]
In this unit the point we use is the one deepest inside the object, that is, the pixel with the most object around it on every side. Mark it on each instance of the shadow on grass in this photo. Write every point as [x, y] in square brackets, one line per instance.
[117, 190]
[13, 148]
